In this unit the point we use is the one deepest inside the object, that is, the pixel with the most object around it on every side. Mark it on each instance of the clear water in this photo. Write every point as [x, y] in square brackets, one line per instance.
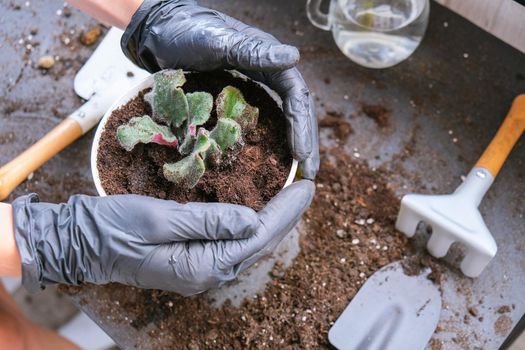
[379, 34]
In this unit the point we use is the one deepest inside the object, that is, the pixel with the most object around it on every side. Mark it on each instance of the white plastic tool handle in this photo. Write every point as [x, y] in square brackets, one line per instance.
[78, 123]
[89, 114]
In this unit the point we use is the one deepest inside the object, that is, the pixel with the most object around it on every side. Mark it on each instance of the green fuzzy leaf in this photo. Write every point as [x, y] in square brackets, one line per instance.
[186, 172]
[186, 146]
[174, 76]
[213, 155]
[226, 133]
[232, 105]
[207, 147]
[167, 100]
[200, 106]
[202, 142]
[144, 130]
[181, 109]
[191, 141]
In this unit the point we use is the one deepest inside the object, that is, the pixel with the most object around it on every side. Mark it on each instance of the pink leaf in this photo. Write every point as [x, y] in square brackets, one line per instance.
[161, 140]
[192, 129]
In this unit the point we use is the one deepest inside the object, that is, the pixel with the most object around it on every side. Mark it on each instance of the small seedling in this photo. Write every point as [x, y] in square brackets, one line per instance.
[182, 117]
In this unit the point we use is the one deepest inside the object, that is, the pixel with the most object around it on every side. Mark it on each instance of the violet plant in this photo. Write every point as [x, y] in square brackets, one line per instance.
[178, 120]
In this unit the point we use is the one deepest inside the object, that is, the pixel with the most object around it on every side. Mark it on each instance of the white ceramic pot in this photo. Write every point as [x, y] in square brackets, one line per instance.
[131, 94]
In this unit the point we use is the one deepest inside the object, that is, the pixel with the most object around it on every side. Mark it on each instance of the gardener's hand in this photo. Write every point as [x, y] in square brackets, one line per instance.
[181, 34]
[149, 243]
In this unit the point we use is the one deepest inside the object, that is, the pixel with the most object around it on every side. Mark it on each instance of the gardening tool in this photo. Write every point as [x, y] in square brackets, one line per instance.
[391, 311]
[105, 76]
[455, 217]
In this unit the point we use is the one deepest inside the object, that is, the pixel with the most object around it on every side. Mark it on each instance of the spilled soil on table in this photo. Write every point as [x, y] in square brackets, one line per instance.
[347, 235]
[250, 176]
[379, 114]
[341, 128]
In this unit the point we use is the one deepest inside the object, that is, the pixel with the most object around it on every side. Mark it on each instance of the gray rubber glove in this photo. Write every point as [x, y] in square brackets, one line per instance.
[146, 242]
[181, 34]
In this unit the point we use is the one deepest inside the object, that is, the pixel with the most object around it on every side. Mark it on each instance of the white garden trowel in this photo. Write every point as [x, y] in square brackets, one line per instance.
[455, 217]
[105, 76]
[392, 311]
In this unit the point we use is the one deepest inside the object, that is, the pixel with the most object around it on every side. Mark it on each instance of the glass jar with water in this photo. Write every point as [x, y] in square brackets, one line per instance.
[373, 33]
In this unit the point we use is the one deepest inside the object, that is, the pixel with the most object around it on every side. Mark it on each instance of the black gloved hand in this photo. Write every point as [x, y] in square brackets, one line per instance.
[149, 243]
[181, 34]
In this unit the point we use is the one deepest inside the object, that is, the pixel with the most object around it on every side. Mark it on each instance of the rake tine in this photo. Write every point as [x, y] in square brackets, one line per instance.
[439, 242]
[474, 263]
[407, 221]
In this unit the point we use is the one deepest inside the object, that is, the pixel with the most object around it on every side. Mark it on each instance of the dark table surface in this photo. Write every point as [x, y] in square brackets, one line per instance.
[447, 101]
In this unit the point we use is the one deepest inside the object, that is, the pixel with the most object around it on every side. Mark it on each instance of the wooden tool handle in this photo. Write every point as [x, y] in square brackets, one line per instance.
[505, 139]
[16, 171]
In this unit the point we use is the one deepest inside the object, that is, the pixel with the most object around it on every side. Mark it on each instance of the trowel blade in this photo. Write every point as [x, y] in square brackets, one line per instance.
[106, 68]
[391, 311]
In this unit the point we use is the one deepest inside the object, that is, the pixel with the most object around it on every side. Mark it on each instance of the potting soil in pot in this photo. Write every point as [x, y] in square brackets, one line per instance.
[250, 177]
[346, 235]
